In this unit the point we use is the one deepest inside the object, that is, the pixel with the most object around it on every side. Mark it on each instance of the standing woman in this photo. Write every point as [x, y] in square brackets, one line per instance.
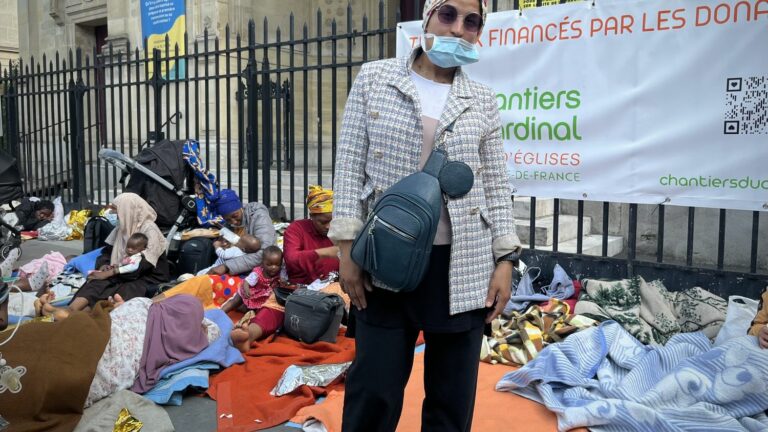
[134, 216]
[397, 111]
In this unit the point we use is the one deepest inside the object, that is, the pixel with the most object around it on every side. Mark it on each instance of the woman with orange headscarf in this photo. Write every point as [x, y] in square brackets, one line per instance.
[308, 252]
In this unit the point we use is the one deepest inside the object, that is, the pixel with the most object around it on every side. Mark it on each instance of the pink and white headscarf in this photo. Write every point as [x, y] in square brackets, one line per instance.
[430, 6]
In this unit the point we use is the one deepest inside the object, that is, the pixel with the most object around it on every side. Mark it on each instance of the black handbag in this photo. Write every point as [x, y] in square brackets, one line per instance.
[281, 295]
[396, 241]
[312, 316]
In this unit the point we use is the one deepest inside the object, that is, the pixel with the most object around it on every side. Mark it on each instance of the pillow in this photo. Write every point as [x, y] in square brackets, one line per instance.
[738, 319]
[85, 262]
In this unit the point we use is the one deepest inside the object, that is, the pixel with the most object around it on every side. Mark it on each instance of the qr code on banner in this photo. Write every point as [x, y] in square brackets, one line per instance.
[746, 106]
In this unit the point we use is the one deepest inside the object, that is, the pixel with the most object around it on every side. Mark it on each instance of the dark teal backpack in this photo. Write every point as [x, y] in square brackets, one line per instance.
[396, 240]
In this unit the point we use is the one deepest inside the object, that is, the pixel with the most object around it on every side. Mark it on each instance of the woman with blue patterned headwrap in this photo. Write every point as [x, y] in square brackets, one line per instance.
[252, 223]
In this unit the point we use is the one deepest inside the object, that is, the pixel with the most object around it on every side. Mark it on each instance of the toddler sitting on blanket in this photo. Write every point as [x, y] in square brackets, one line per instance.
[258, 285]
[253, 295]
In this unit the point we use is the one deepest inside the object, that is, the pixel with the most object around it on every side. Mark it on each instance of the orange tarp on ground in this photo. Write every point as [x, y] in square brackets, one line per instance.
[494, 411]
[242, 390]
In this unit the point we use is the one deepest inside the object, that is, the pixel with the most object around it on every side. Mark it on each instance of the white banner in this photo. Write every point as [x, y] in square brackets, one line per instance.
[650, 101]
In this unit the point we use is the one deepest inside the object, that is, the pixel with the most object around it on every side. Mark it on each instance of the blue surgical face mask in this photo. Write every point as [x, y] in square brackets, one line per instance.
[449, 51]
[111, 217]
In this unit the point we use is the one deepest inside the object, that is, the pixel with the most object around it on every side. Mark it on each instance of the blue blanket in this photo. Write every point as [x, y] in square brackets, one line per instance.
[170, 390]
[84, 263]
[604, 379]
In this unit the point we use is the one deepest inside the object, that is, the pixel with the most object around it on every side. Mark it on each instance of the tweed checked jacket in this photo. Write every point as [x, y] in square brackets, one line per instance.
[381, 142]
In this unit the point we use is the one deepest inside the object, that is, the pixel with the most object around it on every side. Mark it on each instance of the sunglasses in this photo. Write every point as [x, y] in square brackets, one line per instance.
[448, 15]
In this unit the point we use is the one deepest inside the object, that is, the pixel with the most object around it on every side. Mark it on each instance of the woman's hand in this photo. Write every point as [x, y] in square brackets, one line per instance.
[352, 278]
[762, 337]
[282, 283]
[218, 270]
[327, 252]
[106, 267]
[101, 275]
[499, 289]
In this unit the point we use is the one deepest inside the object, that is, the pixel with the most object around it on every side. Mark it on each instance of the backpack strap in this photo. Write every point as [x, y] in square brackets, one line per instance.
[437, 159]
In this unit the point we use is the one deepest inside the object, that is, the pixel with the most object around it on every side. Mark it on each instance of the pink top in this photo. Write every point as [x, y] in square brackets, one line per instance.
[261, 287]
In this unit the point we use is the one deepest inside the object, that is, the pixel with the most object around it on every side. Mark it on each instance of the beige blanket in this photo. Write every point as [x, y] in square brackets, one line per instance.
[101, 416]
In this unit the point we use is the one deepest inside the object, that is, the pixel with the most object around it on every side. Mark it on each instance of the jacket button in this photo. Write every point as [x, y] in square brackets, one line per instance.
[474, 211]
[378, 154]
[374, 115]
[379, 189]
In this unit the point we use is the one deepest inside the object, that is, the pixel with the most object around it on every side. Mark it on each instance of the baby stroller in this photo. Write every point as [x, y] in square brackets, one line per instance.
[10, 189]
[158, 174]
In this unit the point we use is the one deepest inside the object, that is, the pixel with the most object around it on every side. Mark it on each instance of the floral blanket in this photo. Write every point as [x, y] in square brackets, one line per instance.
[649, 312]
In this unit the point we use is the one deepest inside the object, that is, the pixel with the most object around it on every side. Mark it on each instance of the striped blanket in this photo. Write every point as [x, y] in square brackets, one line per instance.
[605, 379]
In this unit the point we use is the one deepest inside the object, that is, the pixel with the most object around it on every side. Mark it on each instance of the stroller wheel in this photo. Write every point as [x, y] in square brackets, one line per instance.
[6, 249]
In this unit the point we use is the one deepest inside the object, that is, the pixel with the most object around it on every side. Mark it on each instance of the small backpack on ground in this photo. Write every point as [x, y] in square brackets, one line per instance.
[95, 233]
[312, 316]
[195, 254]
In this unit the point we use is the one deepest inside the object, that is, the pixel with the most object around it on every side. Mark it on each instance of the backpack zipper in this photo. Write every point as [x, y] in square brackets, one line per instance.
[392, 228]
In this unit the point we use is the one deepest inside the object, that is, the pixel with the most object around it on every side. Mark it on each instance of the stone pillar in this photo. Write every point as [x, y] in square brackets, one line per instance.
[119, 25]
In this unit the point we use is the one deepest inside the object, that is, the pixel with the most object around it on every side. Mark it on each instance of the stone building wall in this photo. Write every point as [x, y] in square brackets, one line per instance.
[9, 32]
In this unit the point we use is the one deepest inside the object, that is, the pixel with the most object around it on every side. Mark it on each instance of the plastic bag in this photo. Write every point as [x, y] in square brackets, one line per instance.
[76, 219]
[741, 312]
[58, 210]
[56, 230]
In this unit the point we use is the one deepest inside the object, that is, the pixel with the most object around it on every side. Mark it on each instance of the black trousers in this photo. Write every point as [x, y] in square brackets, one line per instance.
[385, 335]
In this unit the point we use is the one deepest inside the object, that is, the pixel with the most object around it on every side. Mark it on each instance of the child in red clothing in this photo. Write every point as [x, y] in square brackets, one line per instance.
[258, 285]
[252, 295]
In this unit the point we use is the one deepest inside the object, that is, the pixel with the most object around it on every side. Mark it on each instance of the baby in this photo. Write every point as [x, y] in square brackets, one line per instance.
[134, 247]
[226, 249]
[258, 285]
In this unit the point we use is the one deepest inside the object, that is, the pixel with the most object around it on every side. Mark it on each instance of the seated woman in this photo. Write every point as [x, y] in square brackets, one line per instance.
[119, 345]
[134, 216]
[254, 226]
[309, 253]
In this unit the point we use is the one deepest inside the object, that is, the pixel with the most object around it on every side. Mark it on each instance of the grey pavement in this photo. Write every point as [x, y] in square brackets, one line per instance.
[196, 414]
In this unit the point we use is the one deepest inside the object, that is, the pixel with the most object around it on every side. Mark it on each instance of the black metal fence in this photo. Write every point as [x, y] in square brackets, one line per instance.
[266, 109]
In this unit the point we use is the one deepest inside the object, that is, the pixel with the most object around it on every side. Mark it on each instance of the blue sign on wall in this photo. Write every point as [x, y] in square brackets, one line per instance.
[161, 18]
